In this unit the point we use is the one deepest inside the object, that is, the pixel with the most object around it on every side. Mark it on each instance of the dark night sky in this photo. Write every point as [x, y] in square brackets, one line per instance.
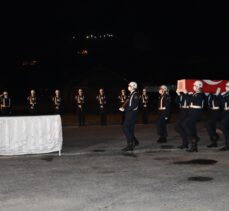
[175, 39]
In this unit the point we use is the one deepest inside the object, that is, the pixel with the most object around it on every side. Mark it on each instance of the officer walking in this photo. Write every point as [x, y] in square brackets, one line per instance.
[122, 98]
[130, 107]
[80, 103]
[224, 123]
[144, 99]
[214, 104]
[32, 102]
[194, 113]
[57, 102]
[102, 104]
[164, 111]
[5, 104]
[182, 100]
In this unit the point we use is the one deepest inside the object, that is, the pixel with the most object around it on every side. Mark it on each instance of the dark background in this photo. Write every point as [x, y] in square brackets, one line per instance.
[154, 43]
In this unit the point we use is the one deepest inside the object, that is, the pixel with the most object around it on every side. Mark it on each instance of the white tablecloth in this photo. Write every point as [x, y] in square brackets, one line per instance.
[30, 135]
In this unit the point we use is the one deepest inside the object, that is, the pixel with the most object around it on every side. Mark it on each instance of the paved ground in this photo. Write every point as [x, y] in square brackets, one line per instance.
[93, 174]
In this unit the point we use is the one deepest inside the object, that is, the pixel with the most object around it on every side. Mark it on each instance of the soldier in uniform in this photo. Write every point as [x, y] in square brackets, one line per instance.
[224, 123]
[80, 103]
[214, 104]
[130, 107]
[57, 102]
[102, 104]
[164, 111]
[195, 110]
[144, 99]
[122, 98]
[182, 101]
[32, 103]
[5, 104]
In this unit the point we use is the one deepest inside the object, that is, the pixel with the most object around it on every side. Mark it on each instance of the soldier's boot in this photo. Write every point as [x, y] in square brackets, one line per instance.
[193, 147]
[214, 140]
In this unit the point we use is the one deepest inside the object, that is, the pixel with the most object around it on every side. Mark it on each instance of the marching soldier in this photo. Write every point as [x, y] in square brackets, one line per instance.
[32, 101]
[130, 107]
[144, 103]
[5, 104]
[182, 101]
[57, 102]
[80, 103]
[224, 123]
[122, 98]
[102, 103]
[164, 111]
[195, 110]
[214, 104]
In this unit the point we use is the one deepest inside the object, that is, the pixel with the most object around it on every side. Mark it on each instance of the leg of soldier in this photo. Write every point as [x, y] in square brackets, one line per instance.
[161, 129]
[224, 125]
[127, 129]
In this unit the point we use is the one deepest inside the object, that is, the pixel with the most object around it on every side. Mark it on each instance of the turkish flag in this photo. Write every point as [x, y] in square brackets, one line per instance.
[209, 86]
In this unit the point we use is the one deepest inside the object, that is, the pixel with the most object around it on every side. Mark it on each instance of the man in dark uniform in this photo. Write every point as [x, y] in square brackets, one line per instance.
[130, 107]
[224, 123]
[32, 103]
[214, 103]
[102, 103]
[57, 102]
[195, 110]
[164, 111]
[144, 106]
[122, 98]
[80, 103]
[5, 104]
[182, 101]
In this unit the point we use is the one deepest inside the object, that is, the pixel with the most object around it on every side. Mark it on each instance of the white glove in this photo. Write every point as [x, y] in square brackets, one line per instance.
[166, 118]
[223, 93]
[218, 91]
[190, 93]
[206, 93]
[121, 109]
[178, 93]
[185, 91]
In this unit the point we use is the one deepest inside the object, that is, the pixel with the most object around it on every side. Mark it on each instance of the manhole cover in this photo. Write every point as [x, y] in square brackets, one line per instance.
[197, 161]
[200, 179]
[99, 150]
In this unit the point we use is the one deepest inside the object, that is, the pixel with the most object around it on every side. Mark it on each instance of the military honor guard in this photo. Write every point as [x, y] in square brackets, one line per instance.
[80, 105]
[122, 98]
[57, 102]
[5, 104]
[102, 106]
[130, 107]
[32, 103]
[144, 99]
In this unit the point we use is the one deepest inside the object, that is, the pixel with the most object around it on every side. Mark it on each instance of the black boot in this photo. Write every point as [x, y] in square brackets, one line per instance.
[183, 146]
[193, 146]
[213, 141]
[225, 148]
[162, 140]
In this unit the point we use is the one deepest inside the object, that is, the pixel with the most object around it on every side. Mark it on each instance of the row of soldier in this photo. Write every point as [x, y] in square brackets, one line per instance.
[80, 102]
[191, 107]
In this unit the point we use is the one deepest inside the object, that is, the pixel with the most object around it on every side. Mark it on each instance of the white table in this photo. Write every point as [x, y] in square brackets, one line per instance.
[30, 135]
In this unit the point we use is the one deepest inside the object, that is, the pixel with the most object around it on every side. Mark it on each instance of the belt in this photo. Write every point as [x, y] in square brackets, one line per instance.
[184, 107]
[215, 108]
[162, 108]
[195, 106]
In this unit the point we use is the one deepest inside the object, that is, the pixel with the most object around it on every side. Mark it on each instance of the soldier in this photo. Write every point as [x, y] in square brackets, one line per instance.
[57, 102]
[32, 101]
[122, 98]
[214, 103]
[80, 103]
[144, 99]
[195, 110]
[102, 103]
[5, 104]
[164, 111]
[224, 123]
[182, 101]
[130, 107]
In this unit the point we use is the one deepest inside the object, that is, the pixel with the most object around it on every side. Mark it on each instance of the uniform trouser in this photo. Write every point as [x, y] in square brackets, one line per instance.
[57, 111]
[161, 125]
[214, 116]
[224, 125]
[179, 125]
[128, 126]
[81, 117]
[103, 116]
[122, 117]
[145, 115]
[190, 123]
[33, 111]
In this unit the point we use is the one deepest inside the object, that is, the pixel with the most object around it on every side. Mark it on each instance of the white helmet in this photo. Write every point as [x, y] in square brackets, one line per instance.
[198, 84]
[144, 90]
[164, 88]
[133, 84]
